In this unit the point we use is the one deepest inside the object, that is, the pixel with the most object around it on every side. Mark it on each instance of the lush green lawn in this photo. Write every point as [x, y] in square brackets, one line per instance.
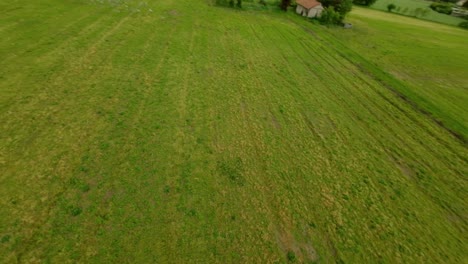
[429, 62]
[409, 7]
[190, 133]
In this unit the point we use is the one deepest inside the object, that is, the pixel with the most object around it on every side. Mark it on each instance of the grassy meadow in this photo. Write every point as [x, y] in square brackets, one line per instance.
[410, 7]
[428, 68]
[174, 131]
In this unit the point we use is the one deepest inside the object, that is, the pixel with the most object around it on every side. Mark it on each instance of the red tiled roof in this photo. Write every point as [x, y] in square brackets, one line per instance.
[308, 3]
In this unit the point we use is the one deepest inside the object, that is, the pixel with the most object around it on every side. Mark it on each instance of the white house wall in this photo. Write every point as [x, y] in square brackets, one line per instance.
[301, 10]
[315, 12]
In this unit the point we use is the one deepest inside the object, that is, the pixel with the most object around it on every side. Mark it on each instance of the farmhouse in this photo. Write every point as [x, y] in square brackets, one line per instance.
[309, 8]
[461, 2]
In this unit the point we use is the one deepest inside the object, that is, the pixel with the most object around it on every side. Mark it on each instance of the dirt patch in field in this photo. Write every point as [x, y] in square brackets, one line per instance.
[405, 169]
[319, 124]
[243, 106]
[332, 247]
[209, 72]
[302, 252]
[108, 196]
[174, 13]
[275, 122]
[454, 218]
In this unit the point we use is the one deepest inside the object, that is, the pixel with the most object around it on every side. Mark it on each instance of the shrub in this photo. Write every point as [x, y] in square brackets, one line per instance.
[418, 12]
[330, 17]
[291, 256]
[463, 24]
[5, 239]
[342, 7]
[364, 2]
[425, 12]
[285, 4]
[74, 210]
[441, 7]
[390, 7]
[230, 3]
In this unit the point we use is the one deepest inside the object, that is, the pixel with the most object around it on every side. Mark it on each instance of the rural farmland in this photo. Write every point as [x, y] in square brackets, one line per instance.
[176, 131]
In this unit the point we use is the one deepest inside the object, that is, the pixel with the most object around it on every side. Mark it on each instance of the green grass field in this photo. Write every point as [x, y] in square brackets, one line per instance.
[409, 7]
[429, 67]
[179, 132]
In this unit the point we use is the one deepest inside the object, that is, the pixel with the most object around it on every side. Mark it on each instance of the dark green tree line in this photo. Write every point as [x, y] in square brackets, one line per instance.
[364, 2]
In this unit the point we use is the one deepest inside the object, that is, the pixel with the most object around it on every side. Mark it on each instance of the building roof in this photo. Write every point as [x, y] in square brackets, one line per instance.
[308, 3]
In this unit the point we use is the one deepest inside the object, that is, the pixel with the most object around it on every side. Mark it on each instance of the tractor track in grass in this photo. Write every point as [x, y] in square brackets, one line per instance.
[286, 240]
[130, 134]
[350, 109]
[444, 143]
[371, 113]
[8, 26]
[405, 113]
[254, 124]
[72, 67]
[56, 65]
[176, 94]
[399, 109]
[398, 94]
[83, 31]
[409, 116]
[47, 39]
[385, 84]
[52, 200]
[11, 9]
[274, 120]
[322, 160]
[337, 98]
[327, 149]
[299, 93]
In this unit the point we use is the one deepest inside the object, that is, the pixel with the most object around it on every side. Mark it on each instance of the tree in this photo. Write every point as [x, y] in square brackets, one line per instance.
[364, 2]
[418, 11]
[284, 4]
[463, 24]
[342, 7]
[231, 3]
[329, 16]
[441, 7]
[390, 7]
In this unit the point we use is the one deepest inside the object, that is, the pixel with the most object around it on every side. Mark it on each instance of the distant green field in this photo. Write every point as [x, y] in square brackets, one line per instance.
[408, 8]
[173, 131]
[429, 62]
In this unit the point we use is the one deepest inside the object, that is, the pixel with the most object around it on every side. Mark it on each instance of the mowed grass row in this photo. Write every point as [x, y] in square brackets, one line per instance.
[429, 63]
[200, 134]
